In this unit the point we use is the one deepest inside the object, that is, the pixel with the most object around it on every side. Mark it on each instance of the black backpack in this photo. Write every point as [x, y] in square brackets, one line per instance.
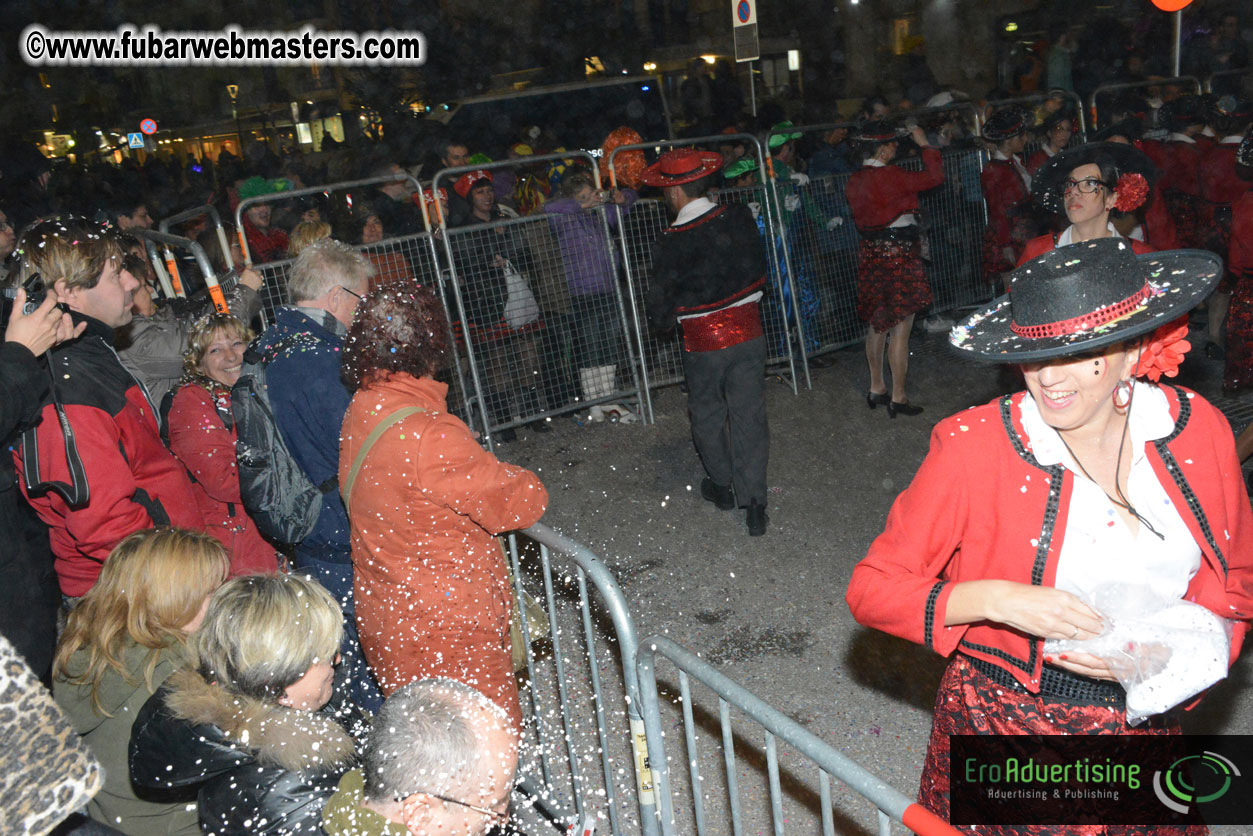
[280, 498]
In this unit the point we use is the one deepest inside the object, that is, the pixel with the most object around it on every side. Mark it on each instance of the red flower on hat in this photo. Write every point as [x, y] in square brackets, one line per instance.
[1131, 189]
[1164, 353]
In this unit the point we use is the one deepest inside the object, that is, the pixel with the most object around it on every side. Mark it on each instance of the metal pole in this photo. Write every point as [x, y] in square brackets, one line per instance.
[752, 88]
[1178, 39]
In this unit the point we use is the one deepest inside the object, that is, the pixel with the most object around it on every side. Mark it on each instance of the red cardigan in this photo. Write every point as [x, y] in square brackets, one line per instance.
[1039, 246]
[879, 195]
[1004, 192]
[982, 507]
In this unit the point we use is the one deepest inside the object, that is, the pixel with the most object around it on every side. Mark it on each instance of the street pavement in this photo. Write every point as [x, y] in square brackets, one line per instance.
[769, 612]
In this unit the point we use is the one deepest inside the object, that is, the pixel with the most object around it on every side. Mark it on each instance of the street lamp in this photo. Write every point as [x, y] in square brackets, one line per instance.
[233, 90]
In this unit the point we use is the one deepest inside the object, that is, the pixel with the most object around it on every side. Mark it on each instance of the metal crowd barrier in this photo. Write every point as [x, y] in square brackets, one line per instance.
[172, 284]
[810, 753]
[1036, 99]
[1243, 87]
[1106, 89]
[663, 354]
[560, 350]
[585, 755]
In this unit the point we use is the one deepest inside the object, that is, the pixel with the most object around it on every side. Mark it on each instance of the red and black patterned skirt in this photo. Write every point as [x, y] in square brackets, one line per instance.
[1238, 366]
[891, 283]
[1187, 217]
[970, 703]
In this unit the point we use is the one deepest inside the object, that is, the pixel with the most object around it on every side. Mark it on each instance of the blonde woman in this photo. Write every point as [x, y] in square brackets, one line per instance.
[251, 723]
[202, 437]
[123, 639]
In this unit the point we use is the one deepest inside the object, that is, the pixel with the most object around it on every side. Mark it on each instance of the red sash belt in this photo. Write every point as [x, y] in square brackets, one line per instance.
[723, 329]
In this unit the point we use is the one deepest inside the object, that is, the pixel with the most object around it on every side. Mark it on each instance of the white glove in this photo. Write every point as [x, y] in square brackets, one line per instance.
[834, 223]
[800, 177]
[755, 208]
[791, 203]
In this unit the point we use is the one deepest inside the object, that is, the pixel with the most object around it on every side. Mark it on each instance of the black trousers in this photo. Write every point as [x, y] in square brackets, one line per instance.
[727, 405]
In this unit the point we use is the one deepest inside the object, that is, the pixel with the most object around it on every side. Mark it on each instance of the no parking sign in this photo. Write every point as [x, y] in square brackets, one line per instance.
[744, 28]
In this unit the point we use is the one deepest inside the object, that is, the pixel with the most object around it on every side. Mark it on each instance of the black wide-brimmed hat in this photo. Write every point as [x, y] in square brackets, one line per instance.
[1048, 183]
[1085, 296]
[1130, 128]
[1182, 112]
[876, 132]
[1006, 123]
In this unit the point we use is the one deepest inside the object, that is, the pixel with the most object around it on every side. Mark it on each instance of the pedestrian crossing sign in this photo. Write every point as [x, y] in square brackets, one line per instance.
[135, 140]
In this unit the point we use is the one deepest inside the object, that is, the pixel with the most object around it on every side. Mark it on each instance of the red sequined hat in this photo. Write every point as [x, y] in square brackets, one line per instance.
[681, 165]
[468, 181]
[1081, 297]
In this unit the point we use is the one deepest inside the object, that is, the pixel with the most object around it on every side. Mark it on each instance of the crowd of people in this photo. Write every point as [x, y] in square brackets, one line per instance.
[146, 581]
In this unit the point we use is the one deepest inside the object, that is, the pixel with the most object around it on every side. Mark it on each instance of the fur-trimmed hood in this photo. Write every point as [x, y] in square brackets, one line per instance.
[273, 734]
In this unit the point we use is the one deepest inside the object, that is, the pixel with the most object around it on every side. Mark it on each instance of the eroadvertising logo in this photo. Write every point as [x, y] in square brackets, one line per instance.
[1133, 779]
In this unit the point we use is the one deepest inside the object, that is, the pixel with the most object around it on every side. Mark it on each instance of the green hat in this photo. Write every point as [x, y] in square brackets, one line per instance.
[780, 134]
[255, 187]
[478, 159]
[739, 168]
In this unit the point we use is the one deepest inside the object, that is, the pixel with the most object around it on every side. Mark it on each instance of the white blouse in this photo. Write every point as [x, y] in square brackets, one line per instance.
[1097, 546]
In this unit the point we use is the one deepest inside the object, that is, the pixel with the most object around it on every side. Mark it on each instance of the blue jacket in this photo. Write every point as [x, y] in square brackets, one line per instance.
[309, 402]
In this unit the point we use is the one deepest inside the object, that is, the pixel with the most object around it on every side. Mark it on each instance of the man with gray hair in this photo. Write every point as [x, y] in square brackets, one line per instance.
[301, 351]
[440, 761]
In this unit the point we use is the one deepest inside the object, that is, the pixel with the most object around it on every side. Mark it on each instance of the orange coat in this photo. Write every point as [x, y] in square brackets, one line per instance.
[431, 590]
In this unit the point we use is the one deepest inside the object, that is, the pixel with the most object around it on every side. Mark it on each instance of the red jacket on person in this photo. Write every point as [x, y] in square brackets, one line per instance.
[879, 195]
[265, 245]
[1240, 248]
[982, 507]
[200, 440]
[1005, 194]
[133, 482]
[1179, 163]
[1219, 182]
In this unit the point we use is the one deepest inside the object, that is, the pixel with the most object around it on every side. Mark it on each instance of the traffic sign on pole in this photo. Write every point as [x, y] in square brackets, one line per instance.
[744, 29]
[135, 140]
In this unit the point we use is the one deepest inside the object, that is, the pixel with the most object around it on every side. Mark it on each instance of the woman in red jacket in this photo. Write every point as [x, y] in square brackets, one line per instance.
[425, 502]
[1006, 192]
[1025, 506]
[891, 284]
[1088, 183]
[202, 437]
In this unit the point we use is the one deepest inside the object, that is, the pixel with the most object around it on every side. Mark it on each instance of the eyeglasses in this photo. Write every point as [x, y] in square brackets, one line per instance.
[1088, 185]
[498, 818]
[353, 292]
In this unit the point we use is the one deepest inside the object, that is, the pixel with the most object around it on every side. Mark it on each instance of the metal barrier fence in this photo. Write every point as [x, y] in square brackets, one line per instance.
[662, 354]
[1235, 82]
[587, 723]
[171, 283]
[811, 752]
[1107, 92]
[540, 308]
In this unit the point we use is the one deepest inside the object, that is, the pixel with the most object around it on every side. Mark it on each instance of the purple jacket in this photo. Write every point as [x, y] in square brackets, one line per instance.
[586, 255]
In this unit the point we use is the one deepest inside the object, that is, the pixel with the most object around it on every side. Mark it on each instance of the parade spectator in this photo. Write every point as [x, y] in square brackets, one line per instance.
[113, 476]
[265, 243]
[254, 723]
[1007, 193]
[834, 155]
[1088, 184]
[129, 212]
[393, 202]
[8, 237]
[440, 759]
[24, 187]
[121, 642]
[201, 431]
[891, 284]
[591, 267]
[302, 350]
[305, 233]
[696, 98]
[389, 264]
[425, 501]
[709, 274]
[29, 595]
[1025, 506]
[151, 346]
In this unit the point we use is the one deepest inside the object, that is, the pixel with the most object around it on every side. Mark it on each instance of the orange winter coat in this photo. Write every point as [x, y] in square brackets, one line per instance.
[431, 591]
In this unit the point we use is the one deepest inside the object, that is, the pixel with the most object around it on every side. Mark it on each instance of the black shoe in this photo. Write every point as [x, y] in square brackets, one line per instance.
[757, 519]
[505, 436]
[874, 399]
[722, 496]
[906, 408]
[823, 362]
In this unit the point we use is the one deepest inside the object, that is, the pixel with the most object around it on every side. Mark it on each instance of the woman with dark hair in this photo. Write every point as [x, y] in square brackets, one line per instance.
[1026, 507]
[1007, 193]
[424, 502]
[1089, 183]
[891, 284]
[1056, 130]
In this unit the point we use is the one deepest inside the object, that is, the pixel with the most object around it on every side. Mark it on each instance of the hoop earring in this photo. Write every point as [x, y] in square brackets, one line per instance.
[1121, 396]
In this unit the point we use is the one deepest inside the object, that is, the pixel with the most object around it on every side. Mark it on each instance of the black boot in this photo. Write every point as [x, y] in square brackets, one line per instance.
[722, 496]
[757, 518]
[498, 408]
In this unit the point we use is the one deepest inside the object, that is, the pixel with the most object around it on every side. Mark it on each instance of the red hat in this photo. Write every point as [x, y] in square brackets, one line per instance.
[682, 165]
[469, 180]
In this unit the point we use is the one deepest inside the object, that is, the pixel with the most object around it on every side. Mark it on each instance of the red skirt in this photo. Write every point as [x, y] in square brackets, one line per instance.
[1184, 212]
[1238, 367]
[970, 703]
[891, 283]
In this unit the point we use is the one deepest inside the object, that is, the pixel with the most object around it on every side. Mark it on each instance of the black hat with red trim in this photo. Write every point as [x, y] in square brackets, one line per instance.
[1006, 123]
[1085, 296]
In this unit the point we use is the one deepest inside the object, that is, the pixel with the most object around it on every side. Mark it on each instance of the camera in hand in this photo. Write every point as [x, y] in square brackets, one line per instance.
[36, 292]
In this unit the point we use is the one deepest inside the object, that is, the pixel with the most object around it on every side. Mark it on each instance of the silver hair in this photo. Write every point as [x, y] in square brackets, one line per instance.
[324, 264]
[424, 730]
